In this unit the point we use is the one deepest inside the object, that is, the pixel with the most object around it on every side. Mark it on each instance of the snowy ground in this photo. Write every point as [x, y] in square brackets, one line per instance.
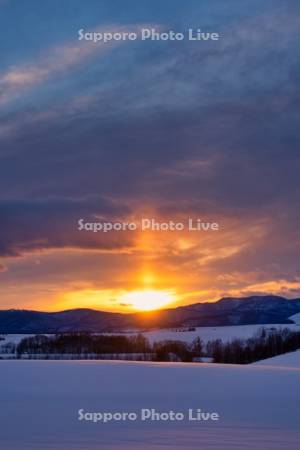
[259, 406]
[296, 318]
[210, 333]
[291, 359]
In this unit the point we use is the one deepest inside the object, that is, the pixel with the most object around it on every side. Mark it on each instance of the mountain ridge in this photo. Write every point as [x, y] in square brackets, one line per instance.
[267, 309]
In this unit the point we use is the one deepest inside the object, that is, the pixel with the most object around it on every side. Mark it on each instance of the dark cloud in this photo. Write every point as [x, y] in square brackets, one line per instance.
[53, 223]
[229, 104]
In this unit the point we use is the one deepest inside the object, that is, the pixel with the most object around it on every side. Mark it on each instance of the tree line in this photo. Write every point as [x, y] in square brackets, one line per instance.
[265, 344]
[101, 345]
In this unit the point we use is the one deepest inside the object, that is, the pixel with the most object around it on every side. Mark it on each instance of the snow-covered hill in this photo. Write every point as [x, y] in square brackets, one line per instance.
[296, 318]
[291, 359]
[226, 334]
[259, 406]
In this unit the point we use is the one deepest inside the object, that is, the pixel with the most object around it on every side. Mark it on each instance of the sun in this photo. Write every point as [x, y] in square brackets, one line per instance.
[147, 299]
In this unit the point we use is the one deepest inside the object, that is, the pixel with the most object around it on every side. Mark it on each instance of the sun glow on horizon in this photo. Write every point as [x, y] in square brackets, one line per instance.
[148, 299]
[144, 291]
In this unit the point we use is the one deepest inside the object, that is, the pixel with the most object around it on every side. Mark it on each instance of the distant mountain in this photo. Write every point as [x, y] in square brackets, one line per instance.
[268, 309]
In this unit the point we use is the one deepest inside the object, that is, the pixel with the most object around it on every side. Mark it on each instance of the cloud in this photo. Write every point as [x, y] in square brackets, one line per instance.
[3, 268]
[284, 287]
[55, 62]
[36, 225]
[176, 128]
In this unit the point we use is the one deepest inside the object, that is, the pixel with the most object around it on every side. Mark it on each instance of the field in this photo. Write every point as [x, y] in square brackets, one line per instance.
[226, 333]
[259, 405]
[287, 360]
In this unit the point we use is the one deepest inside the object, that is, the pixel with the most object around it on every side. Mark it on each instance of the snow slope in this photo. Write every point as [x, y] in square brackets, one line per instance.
[259, 406]
[226, 334]
[291, 359]
[296, 318]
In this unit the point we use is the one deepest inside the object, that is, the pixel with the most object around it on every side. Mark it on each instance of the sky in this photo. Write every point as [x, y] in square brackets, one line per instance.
[162, 129]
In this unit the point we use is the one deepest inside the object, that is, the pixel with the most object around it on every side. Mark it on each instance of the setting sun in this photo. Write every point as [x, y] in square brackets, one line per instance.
[147, 300]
